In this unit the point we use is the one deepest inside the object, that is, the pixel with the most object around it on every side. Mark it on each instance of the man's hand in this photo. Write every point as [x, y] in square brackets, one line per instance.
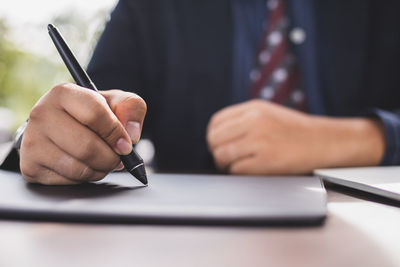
[260, 137]
[76, 135]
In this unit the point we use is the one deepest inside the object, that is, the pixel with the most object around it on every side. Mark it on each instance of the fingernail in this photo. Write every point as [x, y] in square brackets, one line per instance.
[133, 129]
[123, 146]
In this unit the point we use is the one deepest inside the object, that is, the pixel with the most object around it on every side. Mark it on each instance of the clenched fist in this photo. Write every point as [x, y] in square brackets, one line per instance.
[260, 137]
[75, 135]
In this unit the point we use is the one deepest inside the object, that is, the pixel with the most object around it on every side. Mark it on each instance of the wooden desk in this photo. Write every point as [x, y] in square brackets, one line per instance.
[356, 233]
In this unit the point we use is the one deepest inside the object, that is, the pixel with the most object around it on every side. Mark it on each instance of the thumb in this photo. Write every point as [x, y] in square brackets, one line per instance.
[130, 110]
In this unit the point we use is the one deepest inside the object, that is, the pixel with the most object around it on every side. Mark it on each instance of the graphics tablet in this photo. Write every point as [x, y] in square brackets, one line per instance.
[169, 199]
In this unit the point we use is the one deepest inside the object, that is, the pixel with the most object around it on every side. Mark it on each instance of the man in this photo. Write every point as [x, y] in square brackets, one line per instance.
[332, 67]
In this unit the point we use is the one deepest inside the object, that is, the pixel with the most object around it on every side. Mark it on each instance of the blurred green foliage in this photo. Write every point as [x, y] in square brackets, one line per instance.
[26, 76]
[82, 32]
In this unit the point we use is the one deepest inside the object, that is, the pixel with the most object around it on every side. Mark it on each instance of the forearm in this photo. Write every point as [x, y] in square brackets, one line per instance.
[349, 141]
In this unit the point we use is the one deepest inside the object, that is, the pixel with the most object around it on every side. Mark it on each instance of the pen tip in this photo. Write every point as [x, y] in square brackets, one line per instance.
[140, 174]
[143, 179]
[50, 26]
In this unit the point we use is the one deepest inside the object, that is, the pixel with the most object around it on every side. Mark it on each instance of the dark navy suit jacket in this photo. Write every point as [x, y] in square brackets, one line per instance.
[177, 55]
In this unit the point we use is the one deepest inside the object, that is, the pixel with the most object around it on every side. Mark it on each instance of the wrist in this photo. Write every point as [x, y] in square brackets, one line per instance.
[347, 142]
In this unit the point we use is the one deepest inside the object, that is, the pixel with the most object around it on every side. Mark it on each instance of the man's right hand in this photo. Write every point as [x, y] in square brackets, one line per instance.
[76, 135]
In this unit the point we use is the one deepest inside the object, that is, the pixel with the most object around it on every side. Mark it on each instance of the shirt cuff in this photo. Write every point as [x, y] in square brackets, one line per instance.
[9, 158]
[391, 123]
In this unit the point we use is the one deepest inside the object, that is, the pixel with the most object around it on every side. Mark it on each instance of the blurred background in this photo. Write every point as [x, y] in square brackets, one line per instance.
[29, 63]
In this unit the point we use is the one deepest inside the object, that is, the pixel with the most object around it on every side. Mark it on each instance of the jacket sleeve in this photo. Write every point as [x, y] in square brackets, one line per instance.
[391, 123]
[10, 159]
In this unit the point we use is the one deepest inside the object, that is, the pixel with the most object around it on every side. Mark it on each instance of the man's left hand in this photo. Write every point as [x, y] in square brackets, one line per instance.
[260, 137]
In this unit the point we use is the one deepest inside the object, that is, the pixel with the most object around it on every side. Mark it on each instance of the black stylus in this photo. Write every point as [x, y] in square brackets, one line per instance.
[132, 162]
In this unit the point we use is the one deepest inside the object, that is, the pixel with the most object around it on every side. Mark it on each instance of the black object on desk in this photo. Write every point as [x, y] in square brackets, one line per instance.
[133, 162]
[171, 199]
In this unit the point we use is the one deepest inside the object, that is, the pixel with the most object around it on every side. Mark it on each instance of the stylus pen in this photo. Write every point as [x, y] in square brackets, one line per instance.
[132, 162]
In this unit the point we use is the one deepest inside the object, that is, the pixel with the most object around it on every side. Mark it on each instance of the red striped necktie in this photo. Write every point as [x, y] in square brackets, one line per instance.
[276, 74]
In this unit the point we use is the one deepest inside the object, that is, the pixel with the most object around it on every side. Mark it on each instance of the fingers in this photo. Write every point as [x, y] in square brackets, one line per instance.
[245, 166]
[91, 109]
[233, 122]
[129, 108]
[234, 111]
[226, 131]
[227, 154]
[67, 166]
[43, 162]
[47, 177]
[236, 133]
[226, 136]
[36, 173]
[227, 114]
[259, 137]
[75, 139]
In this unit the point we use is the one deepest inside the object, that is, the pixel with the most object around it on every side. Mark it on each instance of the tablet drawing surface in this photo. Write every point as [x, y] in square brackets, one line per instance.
[169, 198]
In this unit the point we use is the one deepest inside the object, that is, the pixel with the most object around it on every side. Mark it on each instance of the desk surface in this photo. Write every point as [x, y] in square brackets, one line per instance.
[356, 233]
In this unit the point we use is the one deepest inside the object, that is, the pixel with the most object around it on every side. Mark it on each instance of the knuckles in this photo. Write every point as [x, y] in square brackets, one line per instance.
[213, 120]
[256, 111]
[224, 153]
[92, 118]
[237, 169]
[42, 108]
[28, 141]
[113, 132]
[27, 164]
[260, 104]
[29, 170]
[87, 150]
[60, 88]
[83, 174]
[211, 139]
[60, 91]
[140, 104]
[223, 156]
[38, 112]
[133, 104]
[98, 110]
